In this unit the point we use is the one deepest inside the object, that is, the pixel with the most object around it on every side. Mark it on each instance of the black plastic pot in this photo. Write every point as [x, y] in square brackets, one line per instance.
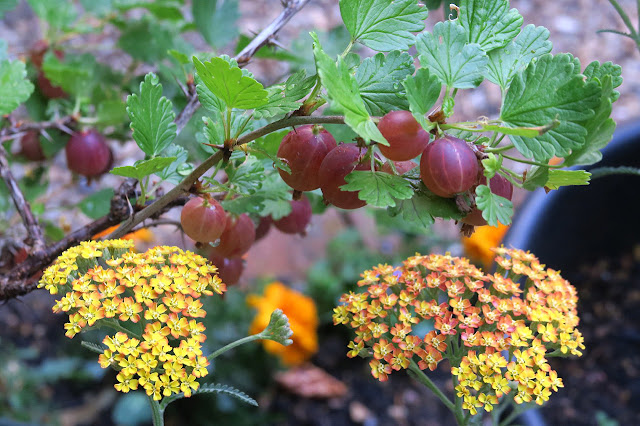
[577, 224]
[580, 224]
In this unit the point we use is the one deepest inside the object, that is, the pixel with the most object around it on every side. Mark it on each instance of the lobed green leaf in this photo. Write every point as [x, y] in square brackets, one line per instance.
[448, 55]
[342, 89]
[283, 98]
[558, 178]
[423, 91]
[378, 189]
[504, 63]
[151, 117]
[549, 89]
[144, 168]
[216, 20]
[379, 80]
[383, 25]
[230, 84]
[489, 23]
[14, 86]
[494, 207]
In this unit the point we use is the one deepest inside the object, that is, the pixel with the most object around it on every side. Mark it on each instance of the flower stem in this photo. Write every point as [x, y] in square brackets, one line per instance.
[157, 414]
[234, 344]
[422, 378]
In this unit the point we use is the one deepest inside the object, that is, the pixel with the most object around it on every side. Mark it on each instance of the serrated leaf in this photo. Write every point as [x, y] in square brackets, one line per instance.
[283, 98]
[228, 83]
[423, 91]
[177, 170]
[75, 75]
[345, 96]
[14, 86]
[414, 211]
[383, 25]
[558, 178]
[97, 204]
[144, 168]
[536, 178]
[379, 81]
[504, 63]
[598, 71]
[378, 189]
[494, 207]
[151, 117]
[160, 9]
[211, 388]
[549, 89]
[216, 20]
[208, 99]
[147, 40]
[246, 178]
[450, 57]
[491, 165]
[179, 56]
[445, 208]
[599, 129]
[59, 14]
[489, 23]
[272, 199]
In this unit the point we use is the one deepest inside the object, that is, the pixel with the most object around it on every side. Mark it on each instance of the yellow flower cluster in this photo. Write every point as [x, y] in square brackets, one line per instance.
[478, 318]
[107, 285]
[303, 319]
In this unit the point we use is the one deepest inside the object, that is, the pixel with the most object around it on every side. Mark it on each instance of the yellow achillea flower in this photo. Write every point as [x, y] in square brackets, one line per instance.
[303, 318]
[479, 318]
[480, 244]
[105, 284]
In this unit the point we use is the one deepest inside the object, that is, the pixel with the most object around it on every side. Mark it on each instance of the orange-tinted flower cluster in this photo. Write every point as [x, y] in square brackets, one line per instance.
[107, 285]
[491, 328]
[303, 319]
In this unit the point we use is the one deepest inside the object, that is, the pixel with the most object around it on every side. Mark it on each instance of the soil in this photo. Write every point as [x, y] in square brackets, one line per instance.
[606, 379]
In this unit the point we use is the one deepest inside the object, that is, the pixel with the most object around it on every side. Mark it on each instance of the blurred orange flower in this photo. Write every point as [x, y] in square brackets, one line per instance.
[303, 317]
[478, 246]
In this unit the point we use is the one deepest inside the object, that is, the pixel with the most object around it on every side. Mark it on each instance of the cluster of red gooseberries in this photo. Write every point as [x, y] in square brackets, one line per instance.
[448, 166]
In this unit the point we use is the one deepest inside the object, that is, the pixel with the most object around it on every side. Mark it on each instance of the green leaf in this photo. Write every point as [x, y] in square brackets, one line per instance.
[59, 14]
[14, 86]
[6, 6]
[228, 83]
[494, 207]
[208, 99]
[75, 75]
[378, 189]
[93, 347]
[423, 91]
[97, 8]
[489, 23]
[383, 25]
[216, 20]
[97, 204]
[558, 178]
[248, 177]
[379, 81]
[449, 57]
[549, 89]
[272, 199]
[343, 91]
[177, 170]
[147, 40]
[160, 9]
[527, 132]
[212, 388]
[599, 129]
[283, 98]
[144, 168]
[537, 177]
[151, 117]
[491, 165]
[414, 211]
[598, 71]
[111, 112]
[504, 63]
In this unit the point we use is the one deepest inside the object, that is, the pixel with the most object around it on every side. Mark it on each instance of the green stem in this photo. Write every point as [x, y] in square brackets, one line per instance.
[535, 163]
[625, 18]
[499, 149]
[157, 414]
[459, 413]
[422, 378]
[243, 126]
[347, 49]
[227, 135]
[609, 171]
[115, 325]
[234, 344]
